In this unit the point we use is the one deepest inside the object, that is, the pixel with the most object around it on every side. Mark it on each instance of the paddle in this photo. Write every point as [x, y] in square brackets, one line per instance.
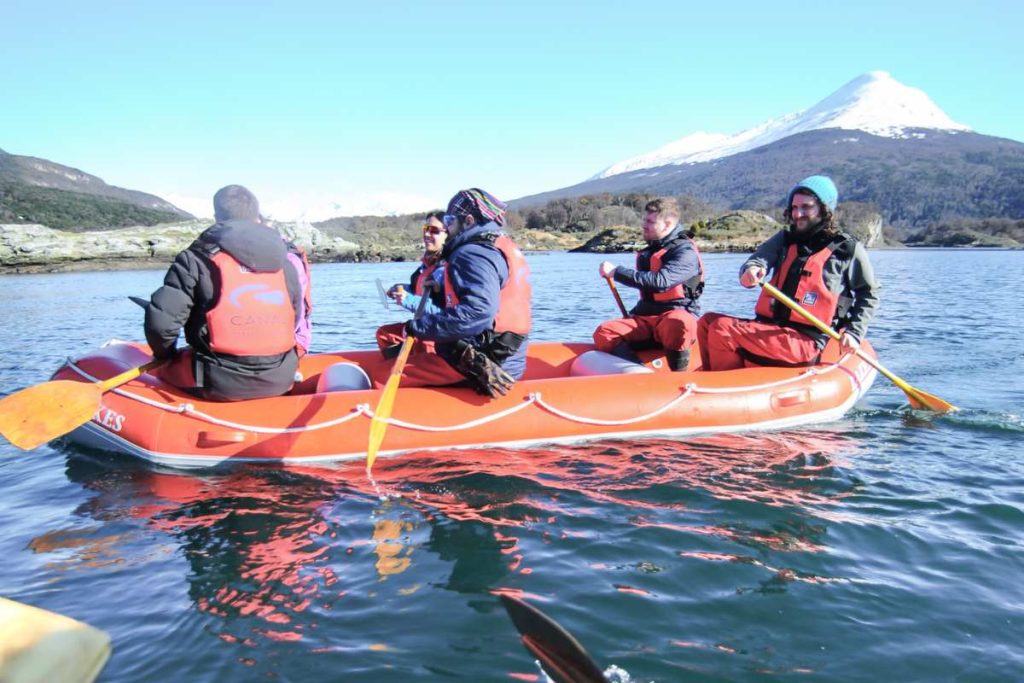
[618, 299]
[559, 654]
[379, 423]
[33, 416]
[920, 400]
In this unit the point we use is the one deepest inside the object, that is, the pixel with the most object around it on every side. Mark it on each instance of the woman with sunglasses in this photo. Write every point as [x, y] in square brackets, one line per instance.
[390, 336]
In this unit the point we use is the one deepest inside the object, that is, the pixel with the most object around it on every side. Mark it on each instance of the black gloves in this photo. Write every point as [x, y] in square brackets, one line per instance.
[486, 376]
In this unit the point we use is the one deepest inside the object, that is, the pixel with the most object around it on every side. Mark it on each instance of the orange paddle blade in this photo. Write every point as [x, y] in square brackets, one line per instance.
[379, 424]
[33, 416]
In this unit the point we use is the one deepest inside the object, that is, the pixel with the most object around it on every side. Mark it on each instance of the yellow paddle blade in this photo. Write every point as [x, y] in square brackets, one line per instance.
[919, 400]
[922, 400]
[33, 416]
[379, 424]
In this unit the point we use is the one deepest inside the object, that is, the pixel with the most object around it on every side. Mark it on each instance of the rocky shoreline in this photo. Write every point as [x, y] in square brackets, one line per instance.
[30, 248]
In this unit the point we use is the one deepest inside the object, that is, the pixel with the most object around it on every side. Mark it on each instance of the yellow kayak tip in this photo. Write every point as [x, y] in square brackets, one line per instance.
[37, 646]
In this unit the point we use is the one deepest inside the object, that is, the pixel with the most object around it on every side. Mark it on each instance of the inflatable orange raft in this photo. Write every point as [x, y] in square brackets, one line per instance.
[570, 393]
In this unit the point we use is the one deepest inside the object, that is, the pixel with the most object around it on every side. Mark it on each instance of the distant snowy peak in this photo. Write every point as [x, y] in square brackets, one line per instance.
[874, 102]
[877, 103]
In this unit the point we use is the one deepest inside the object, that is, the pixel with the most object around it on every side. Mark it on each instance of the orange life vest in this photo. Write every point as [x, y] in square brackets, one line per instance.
[514, 302]
[809, 290]
[424, 276]
[253, 315]
[690, 289]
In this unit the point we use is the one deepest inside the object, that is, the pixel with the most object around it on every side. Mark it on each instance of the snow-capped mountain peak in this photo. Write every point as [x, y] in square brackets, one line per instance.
[874, 102]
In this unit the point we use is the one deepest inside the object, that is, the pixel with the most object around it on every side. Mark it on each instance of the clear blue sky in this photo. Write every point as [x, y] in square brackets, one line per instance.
[399, 104]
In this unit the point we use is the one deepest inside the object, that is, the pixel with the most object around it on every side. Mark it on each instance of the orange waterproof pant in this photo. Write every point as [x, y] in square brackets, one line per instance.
[673, 330]
[723, 338]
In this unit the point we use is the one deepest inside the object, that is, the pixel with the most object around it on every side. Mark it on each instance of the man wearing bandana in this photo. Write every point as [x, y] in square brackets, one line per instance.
[480, 335]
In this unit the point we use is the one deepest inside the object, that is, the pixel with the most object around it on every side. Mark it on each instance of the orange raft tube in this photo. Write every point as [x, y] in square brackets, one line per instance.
[569, 393]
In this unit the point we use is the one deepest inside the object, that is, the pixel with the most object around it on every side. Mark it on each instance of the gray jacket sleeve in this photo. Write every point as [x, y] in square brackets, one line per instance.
[170, 305]
[864, 288]
[768, 254]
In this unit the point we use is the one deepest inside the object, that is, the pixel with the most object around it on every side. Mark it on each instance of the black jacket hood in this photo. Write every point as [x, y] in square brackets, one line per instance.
[255, 246]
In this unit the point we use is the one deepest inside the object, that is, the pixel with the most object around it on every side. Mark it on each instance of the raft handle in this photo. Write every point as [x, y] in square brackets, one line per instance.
[788, 399]
[214, 438]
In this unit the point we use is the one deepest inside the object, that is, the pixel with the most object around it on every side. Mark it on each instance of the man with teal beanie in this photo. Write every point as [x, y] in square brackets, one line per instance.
[822, 268]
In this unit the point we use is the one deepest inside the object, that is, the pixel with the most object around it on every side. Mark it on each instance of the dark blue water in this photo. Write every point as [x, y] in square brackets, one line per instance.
[888, 546]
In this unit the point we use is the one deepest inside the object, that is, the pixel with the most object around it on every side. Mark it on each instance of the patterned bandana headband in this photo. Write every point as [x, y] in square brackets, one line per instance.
[475, 200]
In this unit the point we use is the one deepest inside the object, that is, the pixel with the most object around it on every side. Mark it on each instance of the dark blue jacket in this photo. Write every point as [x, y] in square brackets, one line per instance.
[477, 271]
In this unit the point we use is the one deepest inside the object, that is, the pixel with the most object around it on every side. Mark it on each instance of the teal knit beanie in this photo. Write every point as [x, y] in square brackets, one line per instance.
[822, 187]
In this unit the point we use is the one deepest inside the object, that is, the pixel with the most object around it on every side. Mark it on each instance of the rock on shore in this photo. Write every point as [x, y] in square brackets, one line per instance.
[28, 248]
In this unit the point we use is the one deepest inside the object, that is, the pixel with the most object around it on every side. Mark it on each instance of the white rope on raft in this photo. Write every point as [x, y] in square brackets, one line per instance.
[533, 398]
[189, 409]
[689, 390]
[465, 425]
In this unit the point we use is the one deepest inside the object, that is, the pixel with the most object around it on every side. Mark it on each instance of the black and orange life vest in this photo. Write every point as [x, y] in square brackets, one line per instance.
[802, 278]
[690, 289]
[514, 302]
[253, 315]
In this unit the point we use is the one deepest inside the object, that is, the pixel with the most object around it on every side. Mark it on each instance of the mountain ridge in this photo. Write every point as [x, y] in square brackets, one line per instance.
[43, 173]
[873, 102]
[914, 181]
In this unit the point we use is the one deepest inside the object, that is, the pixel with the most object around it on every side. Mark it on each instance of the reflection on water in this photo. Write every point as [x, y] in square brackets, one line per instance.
[90, 547]
[392, 547]
[284, 555]
[885, 553]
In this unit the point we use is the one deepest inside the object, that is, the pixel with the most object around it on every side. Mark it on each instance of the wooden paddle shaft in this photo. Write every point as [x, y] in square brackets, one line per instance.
[618, 298]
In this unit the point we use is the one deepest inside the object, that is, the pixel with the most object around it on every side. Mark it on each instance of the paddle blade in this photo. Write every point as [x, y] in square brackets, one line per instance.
[560, 655]
[922, 400]
[41, 413]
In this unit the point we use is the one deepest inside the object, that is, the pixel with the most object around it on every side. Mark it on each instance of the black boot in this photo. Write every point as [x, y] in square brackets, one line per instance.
[678, 361]
[626, 352]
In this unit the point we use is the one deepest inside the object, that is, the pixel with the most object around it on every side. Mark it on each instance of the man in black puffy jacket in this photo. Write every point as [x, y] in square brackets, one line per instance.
[670, 276]
[237, 298]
